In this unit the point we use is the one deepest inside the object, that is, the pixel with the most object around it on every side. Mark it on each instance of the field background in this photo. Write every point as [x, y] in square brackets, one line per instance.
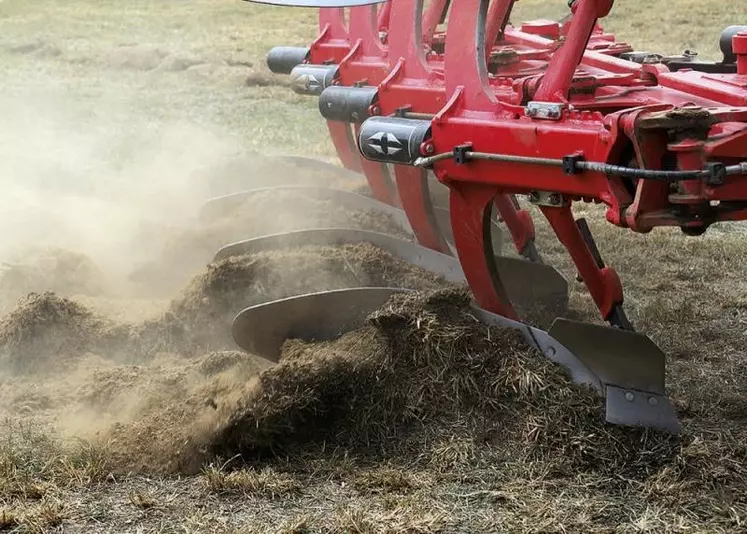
[114, 118]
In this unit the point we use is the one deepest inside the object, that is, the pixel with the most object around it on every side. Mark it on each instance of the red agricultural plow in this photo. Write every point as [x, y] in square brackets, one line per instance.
[450, 112]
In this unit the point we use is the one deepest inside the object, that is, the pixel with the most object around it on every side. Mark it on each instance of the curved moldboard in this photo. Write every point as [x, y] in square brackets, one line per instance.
[629, 365]
[446, 266]
[528, 284]
[262, 329]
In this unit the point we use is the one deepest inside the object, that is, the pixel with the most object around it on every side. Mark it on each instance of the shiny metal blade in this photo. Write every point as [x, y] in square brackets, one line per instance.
[446, 266]
[533, 287]
[622, 358]
[629, 365]
[636, 408]
[549, 347]
[530, 284]
[263, 329]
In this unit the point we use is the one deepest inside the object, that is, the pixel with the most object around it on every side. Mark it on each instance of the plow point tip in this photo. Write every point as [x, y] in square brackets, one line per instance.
[640, 408]
[630, 368]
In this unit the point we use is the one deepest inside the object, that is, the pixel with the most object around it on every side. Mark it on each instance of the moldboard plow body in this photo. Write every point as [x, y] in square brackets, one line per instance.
[369, 60]
[558, 112]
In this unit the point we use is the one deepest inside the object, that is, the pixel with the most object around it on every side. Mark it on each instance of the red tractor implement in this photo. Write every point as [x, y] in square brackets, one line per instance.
[560, 113]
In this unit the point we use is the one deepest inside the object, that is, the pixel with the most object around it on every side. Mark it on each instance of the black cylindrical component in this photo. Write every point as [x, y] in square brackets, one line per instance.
[312, 79]
[393, 139]
[725, 42]
[282, 59]
[347, 104]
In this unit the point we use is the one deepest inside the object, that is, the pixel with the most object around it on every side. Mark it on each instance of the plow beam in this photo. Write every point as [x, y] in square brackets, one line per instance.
[324, 316]
[529, 284]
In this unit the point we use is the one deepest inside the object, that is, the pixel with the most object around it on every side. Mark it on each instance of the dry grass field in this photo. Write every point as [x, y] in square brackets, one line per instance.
[124, 406]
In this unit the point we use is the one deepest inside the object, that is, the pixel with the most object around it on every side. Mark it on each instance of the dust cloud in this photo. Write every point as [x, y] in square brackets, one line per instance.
[113, 320]
[91, 178]
[91, 191]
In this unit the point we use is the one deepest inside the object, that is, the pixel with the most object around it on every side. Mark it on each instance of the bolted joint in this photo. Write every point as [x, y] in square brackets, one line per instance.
[545, 110]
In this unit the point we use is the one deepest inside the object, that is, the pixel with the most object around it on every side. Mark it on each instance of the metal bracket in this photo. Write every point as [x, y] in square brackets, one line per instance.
[570, 164]
[460, 154]
[716, 173]
[545, 110]
[402, 111]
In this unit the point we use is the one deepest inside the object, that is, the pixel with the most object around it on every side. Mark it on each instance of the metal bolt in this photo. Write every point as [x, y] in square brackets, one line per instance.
[375, 110]
[534, 196]
[629, 397]
[429, 149]
[653, 401]
[555, 199]
[550, 352]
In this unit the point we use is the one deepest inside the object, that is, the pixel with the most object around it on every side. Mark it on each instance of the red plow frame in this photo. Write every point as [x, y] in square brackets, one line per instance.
[558, 112]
